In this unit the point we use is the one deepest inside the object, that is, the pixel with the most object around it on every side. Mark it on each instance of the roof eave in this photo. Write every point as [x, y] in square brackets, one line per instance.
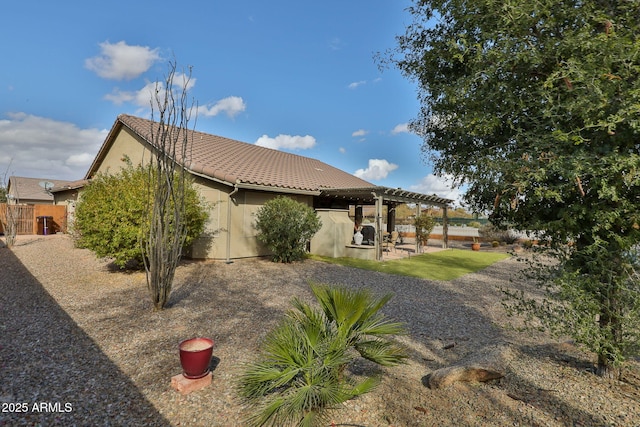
[390, 194]
[288, 190]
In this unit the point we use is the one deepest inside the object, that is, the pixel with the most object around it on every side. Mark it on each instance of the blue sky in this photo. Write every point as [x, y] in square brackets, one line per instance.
[292, 75]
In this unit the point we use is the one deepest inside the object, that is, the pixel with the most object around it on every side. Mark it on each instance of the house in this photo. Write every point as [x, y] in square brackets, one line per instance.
[32, 203]
[237, 178]
[32, 191]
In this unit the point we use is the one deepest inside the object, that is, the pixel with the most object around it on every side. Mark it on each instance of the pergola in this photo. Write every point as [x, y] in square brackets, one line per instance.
[380, 196]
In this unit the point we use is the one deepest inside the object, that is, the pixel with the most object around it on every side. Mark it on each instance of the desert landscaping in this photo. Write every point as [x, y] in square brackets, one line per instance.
[80, 345]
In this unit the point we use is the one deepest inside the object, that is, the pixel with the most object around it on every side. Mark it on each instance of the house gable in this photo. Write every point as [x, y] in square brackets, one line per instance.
[121, 144]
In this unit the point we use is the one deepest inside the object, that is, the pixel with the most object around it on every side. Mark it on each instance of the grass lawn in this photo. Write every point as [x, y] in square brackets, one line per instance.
[443, 265]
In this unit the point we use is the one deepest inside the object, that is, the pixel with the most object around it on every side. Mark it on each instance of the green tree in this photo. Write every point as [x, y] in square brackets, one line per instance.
[112, 216]
[424, 224]
[301, 369]
[536, 105]
[285, 226]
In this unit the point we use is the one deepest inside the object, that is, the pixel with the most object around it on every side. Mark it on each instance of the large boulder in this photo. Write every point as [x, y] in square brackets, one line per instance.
[487, 364]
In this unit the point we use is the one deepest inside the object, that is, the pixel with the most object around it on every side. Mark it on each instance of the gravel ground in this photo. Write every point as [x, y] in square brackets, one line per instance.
[80, 345]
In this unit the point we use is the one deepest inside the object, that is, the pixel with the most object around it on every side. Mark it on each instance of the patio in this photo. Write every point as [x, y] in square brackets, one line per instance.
[407, 250]
[335, 238]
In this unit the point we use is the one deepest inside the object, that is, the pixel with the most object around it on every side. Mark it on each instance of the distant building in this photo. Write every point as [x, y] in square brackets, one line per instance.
[32, 191]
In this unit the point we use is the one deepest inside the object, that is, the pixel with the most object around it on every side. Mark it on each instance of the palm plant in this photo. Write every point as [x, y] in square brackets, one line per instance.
[300, 372]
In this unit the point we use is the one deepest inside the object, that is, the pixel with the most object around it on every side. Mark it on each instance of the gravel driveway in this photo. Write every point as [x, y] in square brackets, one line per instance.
[80, 345]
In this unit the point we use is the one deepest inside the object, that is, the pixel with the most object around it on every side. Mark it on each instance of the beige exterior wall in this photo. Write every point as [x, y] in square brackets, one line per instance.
[212, 242]
[69, 199]
[125, 144]
[334, 235]
[242, 231]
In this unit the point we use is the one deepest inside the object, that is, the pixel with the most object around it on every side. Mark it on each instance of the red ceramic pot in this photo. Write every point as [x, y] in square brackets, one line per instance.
[195, 357]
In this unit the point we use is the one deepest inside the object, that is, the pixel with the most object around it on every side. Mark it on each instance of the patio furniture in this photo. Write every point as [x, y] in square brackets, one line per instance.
[390, 242]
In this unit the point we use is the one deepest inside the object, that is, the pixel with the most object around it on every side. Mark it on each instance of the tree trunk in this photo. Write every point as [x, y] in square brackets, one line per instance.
[610, 325]
[606, 370]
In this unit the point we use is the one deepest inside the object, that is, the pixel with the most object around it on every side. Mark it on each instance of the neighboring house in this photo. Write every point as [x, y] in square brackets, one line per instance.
[237, 178]
[32, 202]
[32, 191]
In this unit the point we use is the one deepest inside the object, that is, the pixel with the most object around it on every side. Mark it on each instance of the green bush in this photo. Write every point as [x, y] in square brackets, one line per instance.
[474, 224]
[113, 214]
[490, 232]
[285, 226]
[300, 372]
[424, 224]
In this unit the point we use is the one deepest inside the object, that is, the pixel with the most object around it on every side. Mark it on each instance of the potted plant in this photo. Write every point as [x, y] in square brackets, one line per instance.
[195, 357]
[475, 245]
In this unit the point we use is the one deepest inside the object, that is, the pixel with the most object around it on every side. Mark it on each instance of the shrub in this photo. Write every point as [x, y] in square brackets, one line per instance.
[301, 369]
[474, 224]
[285, 226]
[112, 216]
[424, 224]
[490, 232]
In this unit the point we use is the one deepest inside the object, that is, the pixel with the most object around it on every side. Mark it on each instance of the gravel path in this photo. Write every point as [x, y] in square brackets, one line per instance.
[79, 345]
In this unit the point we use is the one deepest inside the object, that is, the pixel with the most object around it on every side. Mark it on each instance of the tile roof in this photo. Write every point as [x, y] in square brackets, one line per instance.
[236, 162]
[30, 188]
[71, 185]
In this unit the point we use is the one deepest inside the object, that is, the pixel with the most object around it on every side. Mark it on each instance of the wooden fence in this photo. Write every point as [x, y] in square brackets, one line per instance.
[29, 218]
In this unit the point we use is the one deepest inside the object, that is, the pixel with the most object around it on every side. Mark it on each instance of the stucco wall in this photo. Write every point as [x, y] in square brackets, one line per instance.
[244, 242]
[124, 144]
[334, 235]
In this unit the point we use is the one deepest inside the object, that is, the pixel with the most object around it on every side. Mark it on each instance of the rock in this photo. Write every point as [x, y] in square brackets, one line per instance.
[485, 365]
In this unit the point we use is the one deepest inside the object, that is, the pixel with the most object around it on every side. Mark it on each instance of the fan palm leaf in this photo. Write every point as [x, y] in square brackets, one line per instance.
[300, 373]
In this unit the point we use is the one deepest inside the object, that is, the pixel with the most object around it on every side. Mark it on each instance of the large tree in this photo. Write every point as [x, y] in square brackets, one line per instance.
[535, 105]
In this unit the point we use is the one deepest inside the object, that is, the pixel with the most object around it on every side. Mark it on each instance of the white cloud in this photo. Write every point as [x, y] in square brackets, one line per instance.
[142, 97]
[82, 159]
[400, 128]
[356, 84]
[440, 186]
[232, 106]
[121, 61]
[119, 97]
[342, 150]
[289, 142]
[377, 169]
[40, 147]
[359, 132]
